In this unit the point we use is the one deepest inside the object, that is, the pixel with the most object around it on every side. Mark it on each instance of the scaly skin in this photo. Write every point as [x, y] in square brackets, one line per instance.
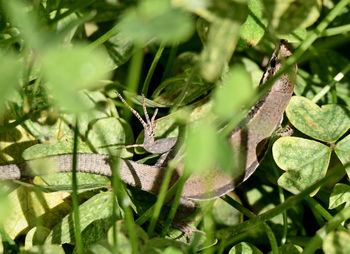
[260, 123]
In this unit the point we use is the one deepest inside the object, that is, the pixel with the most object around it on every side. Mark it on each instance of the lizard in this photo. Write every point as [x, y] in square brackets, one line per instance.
[261, 121]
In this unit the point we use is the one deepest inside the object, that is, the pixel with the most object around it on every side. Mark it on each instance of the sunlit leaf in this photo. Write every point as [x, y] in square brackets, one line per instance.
[5, 205]
[225, 214]
[95, 220]
[254, 27]
[305, 162]
[244, 247]
[327, 123]
[45, 249]
[27, 205]
[290, 249]
[342, 149]
[123, 239]
[336, 242]
[339, 195]
[36, 236]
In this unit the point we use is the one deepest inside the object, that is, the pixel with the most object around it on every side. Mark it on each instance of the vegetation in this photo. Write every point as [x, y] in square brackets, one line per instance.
[199, 62]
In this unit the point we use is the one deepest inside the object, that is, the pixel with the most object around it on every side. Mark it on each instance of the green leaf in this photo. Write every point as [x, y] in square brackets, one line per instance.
[182, 70]
[123, 239]
[289, 248]
[327, 123]
[225, 214]
[205, 149]
[336, 242]
[156, 19]
[288, 15]
[194, 5]
[68, 70]
[158, 245]
[262, 199]
[10, 70]
[305, 162]
[5, 205]
[98, 106]
[254, 27]
[327, 64]
[43, 150]
[110, 135]
[201, 147]
[103, 247]
[222, 37]
[296, 36]
[27, 206]
[244, 248]
[253, 69]
[36, 236]
[339, 195]
[236, 90]
[342, 149]
[172, 250]
[45, 249]
[119, 49]
[95, 220]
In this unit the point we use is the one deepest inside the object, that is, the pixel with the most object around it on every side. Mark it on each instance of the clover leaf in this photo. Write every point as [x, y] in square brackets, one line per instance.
[306, 161]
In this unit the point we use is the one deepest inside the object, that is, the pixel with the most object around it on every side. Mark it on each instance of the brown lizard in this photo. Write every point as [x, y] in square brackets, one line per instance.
[259, 124]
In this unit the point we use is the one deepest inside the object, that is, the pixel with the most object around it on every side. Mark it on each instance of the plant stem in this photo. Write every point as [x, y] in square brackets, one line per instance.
[160, 200]
[151, 69]
[289, 203]
[249, 214]
[336, 30]
[77, 229]
[316, 241]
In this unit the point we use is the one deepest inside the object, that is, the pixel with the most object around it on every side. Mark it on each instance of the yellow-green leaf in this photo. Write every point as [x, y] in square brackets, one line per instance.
[339, 195]
[288, 15]
[342, 149]
[27, 206]
[327, 123]
[244, 247]
[254, 27]
[95, 220]
[305, 162]
[336, 242]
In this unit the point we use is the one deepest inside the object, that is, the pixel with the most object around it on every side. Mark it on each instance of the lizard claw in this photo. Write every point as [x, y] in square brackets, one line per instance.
[149, 144]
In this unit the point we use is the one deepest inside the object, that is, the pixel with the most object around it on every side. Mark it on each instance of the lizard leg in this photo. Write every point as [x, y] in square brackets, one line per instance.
[151, 145]
[284, 131]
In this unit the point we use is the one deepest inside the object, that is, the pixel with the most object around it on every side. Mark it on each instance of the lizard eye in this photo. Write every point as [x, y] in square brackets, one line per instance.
[273, 63]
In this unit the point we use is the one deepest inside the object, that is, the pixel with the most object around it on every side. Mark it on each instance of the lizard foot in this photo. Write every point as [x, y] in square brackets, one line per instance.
[151, 145]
